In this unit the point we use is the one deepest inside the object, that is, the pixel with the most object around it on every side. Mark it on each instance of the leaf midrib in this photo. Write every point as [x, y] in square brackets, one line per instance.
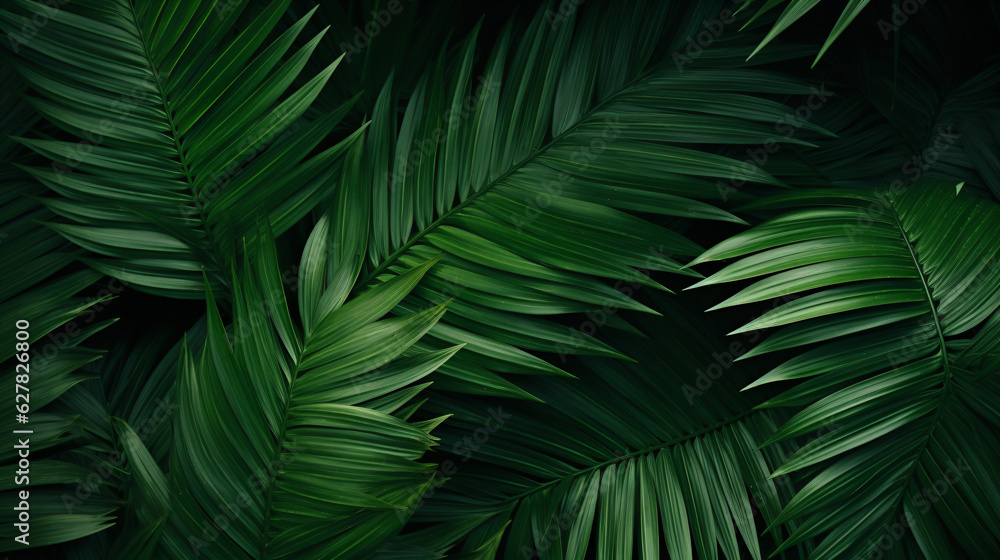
[645, 451]
[272, 480]
[515, 167]
[181, 156]
[946, 364]
[927, 291]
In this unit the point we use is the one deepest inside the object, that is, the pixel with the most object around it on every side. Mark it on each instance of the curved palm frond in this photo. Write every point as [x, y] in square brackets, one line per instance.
[614, 462]
[898, 332]
[40, 290]
[293, 442]
[33, 287]
[177, 132]
[535, 203]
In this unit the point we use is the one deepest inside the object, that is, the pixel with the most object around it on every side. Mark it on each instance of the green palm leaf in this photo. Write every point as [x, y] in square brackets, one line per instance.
[623, 457]
[36, 285]
[897, 329]
[534, 202]
[177, 133]
[52, 429]
[798, 8]
[293, 443]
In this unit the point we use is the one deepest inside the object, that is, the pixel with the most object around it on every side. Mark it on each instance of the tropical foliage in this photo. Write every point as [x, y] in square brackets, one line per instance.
[585, 280]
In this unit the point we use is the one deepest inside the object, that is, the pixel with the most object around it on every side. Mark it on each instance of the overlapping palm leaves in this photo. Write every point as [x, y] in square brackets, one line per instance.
[184, 131]
[521, 184]
[528, 178]
[577, 476]
[898, 340]
[296, 438]
[44, 285]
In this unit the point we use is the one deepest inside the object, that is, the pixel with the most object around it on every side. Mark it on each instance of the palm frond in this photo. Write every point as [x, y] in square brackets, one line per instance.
[177, 135]
[534, 203]
[49, 477]
[297, 437]
[895, 327]
[584, 472]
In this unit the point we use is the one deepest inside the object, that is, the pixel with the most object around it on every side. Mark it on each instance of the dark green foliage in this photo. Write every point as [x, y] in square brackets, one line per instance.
[406, 280]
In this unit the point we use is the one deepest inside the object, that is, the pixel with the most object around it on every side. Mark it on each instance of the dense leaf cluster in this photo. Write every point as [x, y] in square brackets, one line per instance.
[586, 280]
